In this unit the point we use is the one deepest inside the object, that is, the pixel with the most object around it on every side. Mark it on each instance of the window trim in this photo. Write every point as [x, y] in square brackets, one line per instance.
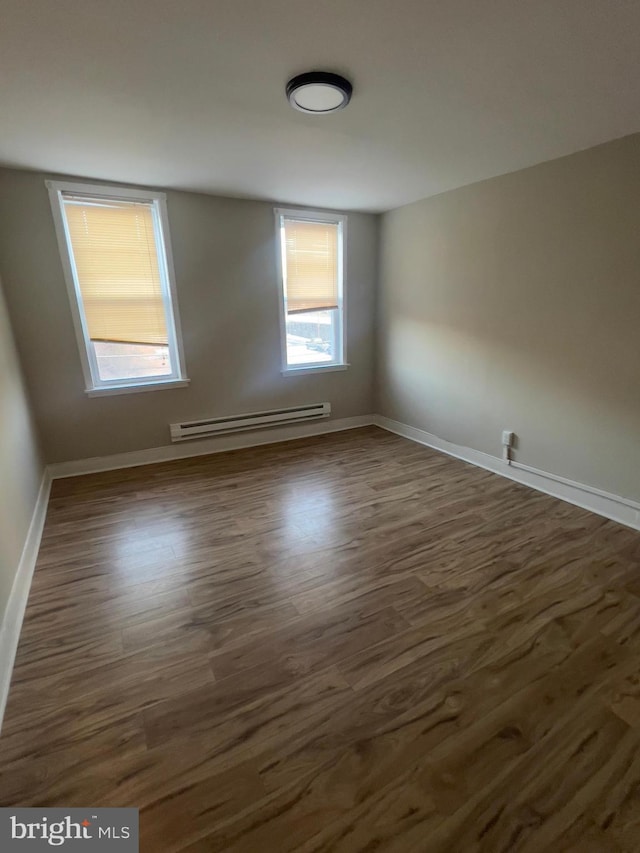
[304, 215]
[94, 386]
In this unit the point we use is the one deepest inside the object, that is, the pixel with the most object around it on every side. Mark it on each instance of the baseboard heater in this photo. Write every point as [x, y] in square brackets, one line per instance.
[253, 420]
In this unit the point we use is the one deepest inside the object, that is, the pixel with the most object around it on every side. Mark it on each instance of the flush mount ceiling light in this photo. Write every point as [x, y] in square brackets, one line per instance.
[319, 92]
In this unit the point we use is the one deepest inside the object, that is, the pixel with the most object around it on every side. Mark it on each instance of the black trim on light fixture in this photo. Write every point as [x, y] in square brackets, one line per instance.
[319, 78]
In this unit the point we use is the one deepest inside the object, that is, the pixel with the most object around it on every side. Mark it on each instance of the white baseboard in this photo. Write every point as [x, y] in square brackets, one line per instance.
[205, 446]
[611, 506]
[17, 603]
[617, 508]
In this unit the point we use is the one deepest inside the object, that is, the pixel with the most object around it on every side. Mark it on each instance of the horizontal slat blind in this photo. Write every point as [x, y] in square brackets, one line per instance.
[311, 265]
[116, 259]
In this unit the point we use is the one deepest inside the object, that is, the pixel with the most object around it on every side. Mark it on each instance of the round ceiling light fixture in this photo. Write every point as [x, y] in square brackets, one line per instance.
[319, 92]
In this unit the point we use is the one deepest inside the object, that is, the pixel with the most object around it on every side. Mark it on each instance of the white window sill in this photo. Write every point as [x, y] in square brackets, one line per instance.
[321, 368]
[135, 389]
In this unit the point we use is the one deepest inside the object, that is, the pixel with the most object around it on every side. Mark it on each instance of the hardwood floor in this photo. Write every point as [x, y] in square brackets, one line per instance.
[347, 643]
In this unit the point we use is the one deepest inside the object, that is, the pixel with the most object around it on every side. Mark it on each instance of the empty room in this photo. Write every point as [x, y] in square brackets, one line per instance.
[320, 426]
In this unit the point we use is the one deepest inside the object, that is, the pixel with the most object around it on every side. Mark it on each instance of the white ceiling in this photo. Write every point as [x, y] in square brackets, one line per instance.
[190, 93]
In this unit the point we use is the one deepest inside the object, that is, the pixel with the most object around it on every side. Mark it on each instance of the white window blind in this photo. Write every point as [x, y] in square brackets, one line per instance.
[310, 265]
[116, 261]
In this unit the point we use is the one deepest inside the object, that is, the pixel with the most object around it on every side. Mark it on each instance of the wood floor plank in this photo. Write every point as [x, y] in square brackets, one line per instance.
[312, 641]
[271, 716]
[170, 821]
[392, 789]
[345, 643]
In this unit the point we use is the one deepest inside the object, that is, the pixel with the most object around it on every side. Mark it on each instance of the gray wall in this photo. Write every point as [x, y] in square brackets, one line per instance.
[224, 253]
[21, 468]
[515, 303]
[512, 303]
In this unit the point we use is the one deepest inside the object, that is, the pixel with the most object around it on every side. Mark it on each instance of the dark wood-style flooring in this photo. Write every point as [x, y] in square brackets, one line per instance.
[347, 643]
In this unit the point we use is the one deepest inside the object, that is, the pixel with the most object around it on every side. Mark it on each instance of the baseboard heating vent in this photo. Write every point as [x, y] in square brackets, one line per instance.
[254, 420]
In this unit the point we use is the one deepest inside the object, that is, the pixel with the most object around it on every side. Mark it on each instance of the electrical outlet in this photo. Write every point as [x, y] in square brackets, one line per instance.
[508, 438]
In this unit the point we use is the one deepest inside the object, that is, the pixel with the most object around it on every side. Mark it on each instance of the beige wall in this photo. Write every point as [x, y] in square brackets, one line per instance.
[224, 253]
[20, 465]
[515, 303]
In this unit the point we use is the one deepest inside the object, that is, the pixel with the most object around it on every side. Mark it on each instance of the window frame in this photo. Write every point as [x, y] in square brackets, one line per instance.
[302, 215]
[94, 385]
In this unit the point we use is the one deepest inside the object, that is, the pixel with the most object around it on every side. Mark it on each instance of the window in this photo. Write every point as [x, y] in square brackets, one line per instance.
[312, 251]
[116, 256]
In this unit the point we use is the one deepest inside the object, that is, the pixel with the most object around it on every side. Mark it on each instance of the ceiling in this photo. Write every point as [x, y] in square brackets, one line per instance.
[190, 93]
